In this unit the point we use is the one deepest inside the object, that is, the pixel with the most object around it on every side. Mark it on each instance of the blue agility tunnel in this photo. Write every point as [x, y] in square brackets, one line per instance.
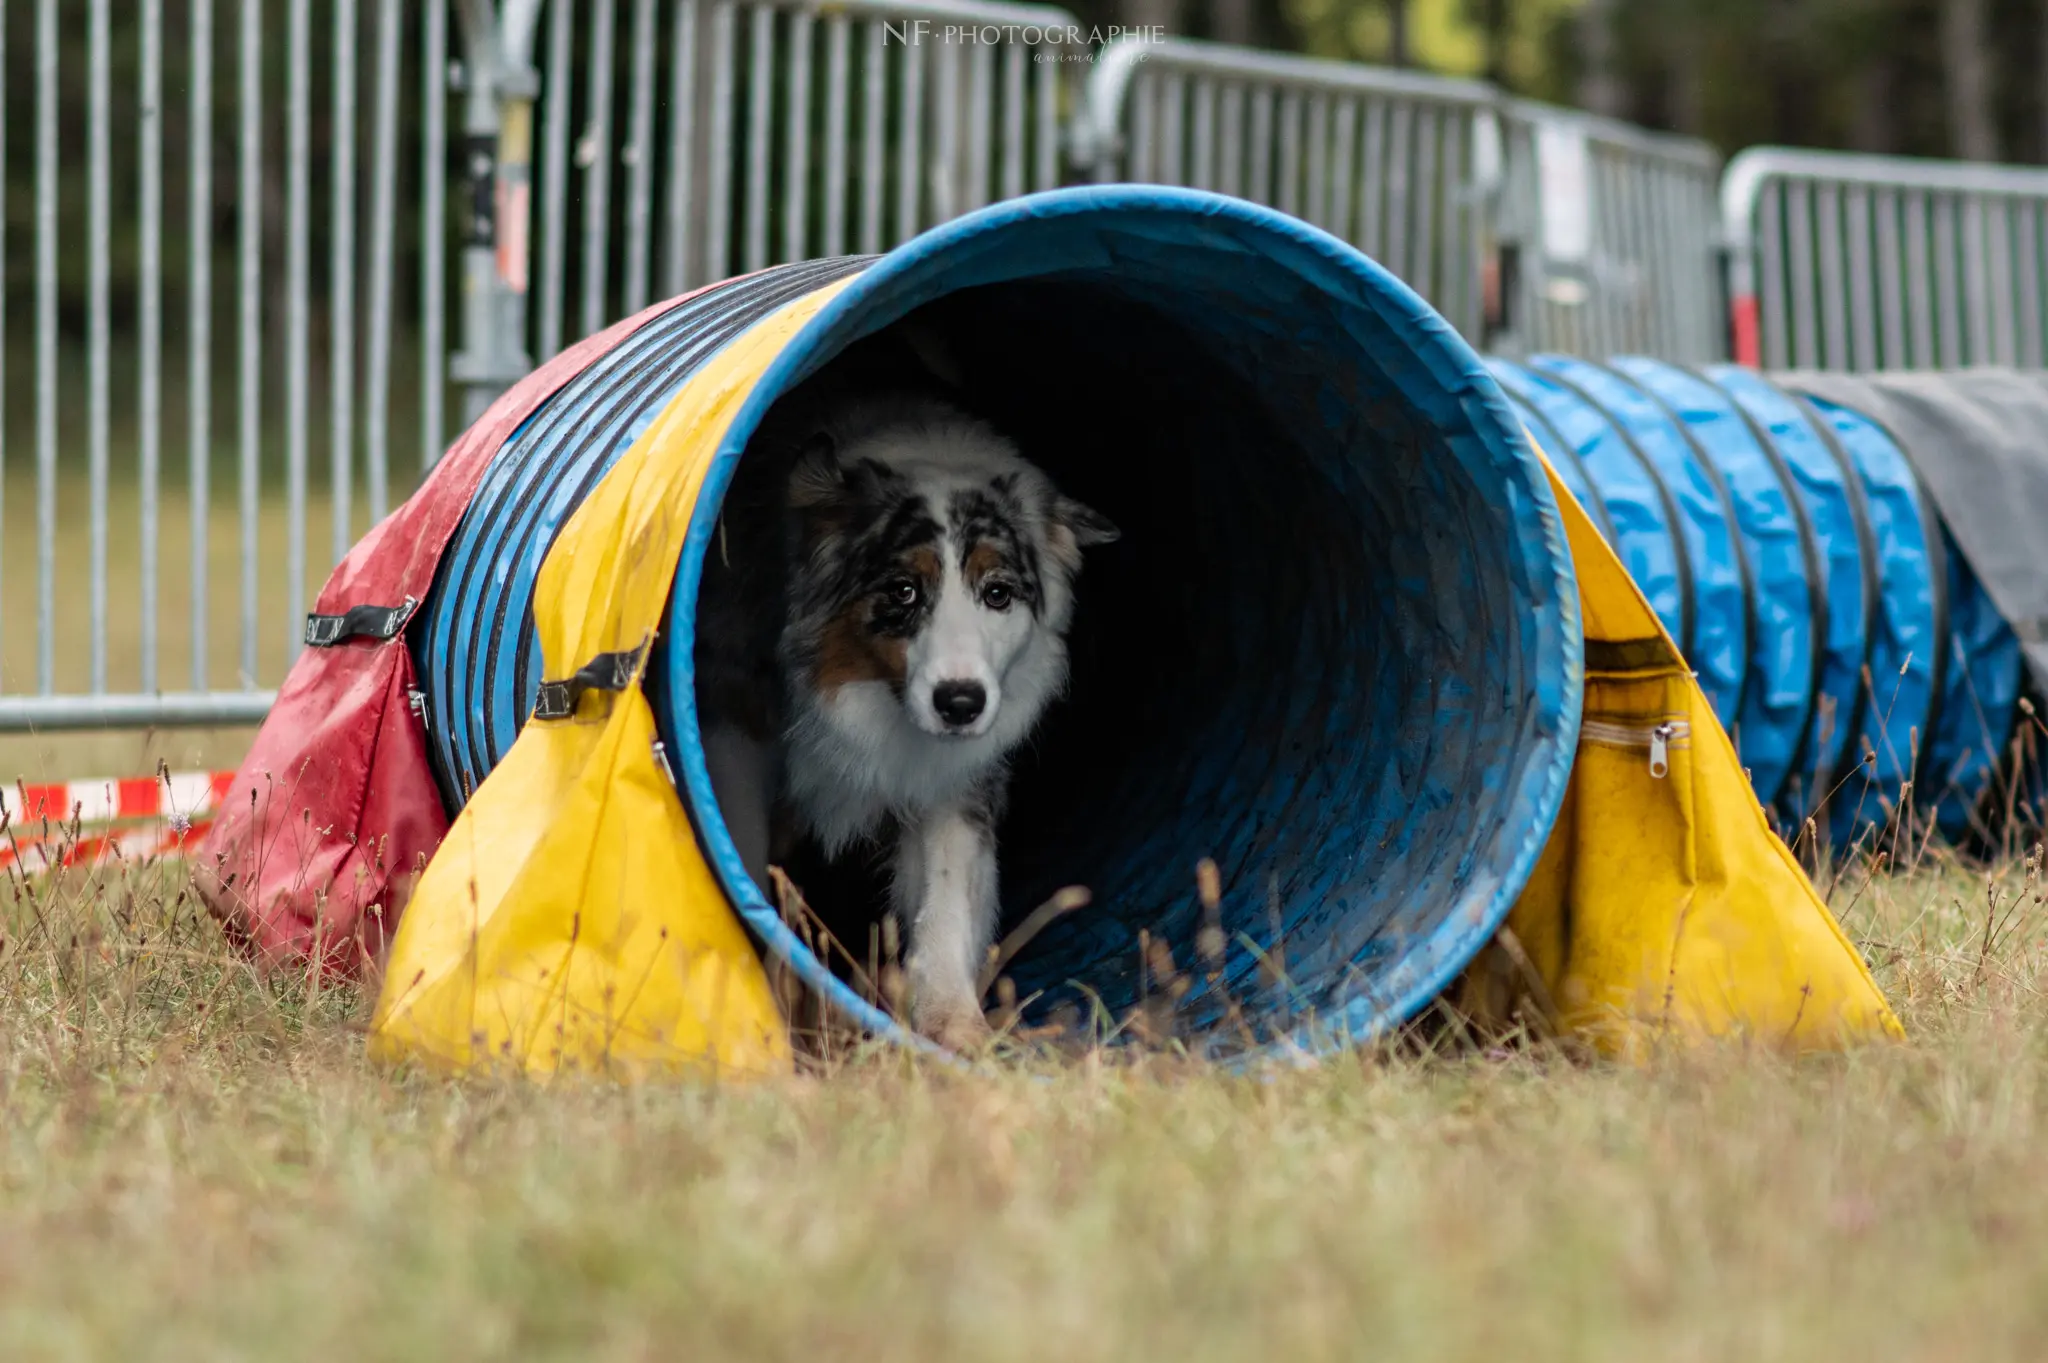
[1337, 649]
[1790, 546]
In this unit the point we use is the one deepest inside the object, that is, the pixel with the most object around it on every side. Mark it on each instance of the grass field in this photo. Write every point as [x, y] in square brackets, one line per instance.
[194, 1165]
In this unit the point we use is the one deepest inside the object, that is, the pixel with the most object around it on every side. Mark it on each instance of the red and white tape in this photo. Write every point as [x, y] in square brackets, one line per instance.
[66, 823]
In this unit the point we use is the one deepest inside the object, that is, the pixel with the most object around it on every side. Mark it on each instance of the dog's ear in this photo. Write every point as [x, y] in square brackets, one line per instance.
[1088, 526]
[818, 478]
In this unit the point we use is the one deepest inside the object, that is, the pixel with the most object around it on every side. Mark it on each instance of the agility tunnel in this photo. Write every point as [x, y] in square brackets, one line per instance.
[1337, 636]
[1342, 649]
[1791, 546]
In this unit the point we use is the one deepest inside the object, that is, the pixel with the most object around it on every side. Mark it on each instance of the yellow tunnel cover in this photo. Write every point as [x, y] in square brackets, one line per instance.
[1664, 907]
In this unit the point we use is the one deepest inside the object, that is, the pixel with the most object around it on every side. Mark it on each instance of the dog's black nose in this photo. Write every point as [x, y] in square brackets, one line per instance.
[959, 703]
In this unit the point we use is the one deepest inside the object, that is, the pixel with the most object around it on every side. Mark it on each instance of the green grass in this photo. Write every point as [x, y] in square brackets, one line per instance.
[198, 1164]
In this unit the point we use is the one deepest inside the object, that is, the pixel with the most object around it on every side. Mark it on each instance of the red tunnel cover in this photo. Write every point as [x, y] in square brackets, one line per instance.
[335, 812]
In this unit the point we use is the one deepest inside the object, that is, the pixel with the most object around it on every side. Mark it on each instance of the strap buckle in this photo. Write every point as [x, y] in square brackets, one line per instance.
[606, 672]
[380, 624]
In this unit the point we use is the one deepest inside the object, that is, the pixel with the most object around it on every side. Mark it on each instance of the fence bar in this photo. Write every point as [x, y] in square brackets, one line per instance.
[341, 290]
[1948, 284]
[46, 346]
[718, 165]
[2029, 321]
[595, 156]
[1046, 152]
[981, 82]
[1399, 162]
[1422, 259]
[1861, 304]
[1891, 303]
[3, 298]
[1832, 326]
[1144, 140]
[1171, 92]
[99, 316]
[1919, 281]
[1343, 157]
[760, 113]
[796, 151]
[1372, 185]
[1799, 235]
[910, 149]
[556, 94]
[682, 114]
[639, 156]
[1460, 252]
[1287, 191]
[873, 132]
[1969, 250]
[944, 171]
[1230, 140]
[200, 709]
[249, 390]
[2003, 299]
[1202, 101]
[150, 324]
[298, 290]
[1016, 99]
[838, 91]
[433, 236]
[1315, 205]
[199, 323]
[383, 219]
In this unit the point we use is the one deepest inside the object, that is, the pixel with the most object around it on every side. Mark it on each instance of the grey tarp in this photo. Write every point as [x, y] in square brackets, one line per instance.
[1979, 439]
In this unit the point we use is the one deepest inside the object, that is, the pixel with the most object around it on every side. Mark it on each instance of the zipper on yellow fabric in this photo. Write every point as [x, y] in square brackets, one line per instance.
[1655, 739]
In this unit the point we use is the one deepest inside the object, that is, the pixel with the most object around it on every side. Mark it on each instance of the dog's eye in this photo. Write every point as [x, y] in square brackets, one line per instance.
[902, 593]
[997, 596]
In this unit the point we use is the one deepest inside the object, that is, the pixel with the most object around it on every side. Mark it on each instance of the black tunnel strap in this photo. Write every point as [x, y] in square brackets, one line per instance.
[379, 623]
[605, 672]
[1630, 655]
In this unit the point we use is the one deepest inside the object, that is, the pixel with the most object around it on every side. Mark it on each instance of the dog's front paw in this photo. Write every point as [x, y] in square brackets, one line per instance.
[958, 1028]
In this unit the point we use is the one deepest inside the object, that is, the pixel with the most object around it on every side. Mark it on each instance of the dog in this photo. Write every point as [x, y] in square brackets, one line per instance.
[891, 628]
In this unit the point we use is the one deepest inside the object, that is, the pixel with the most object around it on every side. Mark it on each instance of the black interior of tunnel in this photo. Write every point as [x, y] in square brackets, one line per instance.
[1226, 699]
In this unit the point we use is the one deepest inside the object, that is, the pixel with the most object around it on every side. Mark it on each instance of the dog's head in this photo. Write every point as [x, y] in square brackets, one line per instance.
[933, 580]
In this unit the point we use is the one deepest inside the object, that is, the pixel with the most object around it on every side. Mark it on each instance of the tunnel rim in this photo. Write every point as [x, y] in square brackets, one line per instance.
[911, 276]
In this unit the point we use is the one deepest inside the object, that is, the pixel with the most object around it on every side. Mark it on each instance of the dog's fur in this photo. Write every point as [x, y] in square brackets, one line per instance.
[919, 554]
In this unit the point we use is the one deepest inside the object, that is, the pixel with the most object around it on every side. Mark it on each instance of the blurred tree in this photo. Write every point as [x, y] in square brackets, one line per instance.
[1966, 71]
[1954, 78]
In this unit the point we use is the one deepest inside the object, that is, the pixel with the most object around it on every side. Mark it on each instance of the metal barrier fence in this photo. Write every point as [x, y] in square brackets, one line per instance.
[104, 649]
[1844, 261]
[1530, 227]
[1608, 240]
[1384, 159]
[321, 244]
[791, 131]
[242, 298]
